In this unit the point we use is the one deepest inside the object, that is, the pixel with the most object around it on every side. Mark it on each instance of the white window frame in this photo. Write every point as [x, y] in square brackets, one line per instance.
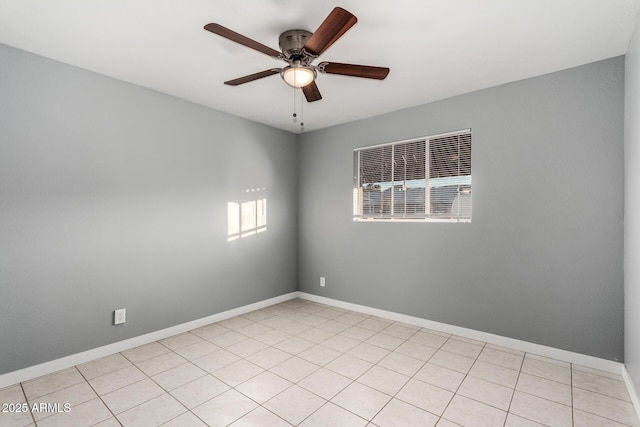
[463, 183]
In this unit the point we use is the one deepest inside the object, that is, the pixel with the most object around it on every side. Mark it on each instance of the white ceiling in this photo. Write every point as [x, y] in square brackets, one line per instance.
[435, 48]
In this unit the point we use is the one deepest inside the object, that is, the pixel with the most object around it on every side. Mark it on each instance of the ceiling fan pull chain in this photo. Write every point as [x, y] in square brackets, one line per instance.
[295, 114]
[301, 112]
[294, 106]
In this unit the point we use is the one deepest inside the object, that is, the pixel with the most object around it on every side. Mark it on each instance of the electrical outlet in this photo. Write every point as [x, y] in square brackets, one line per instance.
[119, 316]
[322, 283]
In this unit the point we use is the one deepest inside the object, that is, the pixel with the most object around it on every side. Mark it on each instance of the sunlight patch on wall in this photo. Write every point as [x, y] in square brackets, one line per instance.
[247, 217]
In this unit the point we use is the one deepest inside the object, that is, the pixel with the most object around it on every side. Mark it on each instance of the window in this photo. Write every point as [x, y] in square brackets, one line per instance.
[422, 179]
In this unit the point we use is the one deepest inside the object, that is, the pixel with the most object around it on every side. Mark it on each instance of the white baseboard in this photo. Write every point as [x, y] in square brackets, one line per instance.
[26, 374]
[31, 372]
[542, 350]
[631, 388]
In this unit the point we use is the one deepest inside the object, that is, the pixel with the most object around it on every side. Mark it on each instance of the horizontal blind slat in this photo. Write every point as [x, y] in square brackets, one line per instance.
[392, 179]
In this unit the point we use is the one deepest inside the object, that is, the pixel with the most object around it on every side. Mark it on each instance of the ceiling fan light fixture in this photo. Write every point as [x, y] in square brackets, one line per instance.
[298, 75]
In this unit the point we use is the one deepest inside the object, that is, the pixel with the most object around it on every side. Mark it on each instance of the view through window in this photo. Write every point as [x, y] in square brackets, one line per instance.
[422, 179]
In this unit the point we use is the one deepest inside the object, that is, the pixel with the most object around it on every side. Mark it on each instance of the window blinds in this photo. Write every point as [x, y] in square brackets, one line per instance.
[427, 178]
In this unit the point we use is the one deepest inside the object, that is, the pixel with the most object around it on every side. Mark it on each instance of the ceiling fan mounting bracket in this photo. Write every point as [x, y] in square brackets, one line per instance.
[291, 44]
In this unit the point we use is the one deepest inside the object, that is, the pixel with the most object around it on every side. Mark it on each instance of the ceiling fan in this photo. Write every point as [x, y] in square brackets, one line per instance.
[299, 49]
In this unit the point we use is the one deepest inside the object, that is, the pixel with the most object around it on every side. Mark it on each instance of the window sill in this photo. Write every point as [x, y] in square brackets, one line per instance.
[422, 220]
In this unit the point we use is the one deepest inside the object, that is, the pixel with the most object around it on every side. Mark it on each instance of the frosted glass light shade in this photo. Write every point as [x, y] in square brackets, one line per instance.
[298, 76]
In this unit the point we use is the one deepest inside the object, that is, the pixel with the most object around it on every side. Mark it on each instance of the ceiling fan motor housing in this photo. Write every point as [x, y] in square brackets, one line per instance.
[291, 44]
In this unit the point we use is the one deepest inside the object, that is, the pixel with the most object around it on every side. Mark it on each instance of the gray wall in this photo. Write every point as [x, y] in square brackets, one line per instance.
[114, 196]
[542, 259]
[632, 210]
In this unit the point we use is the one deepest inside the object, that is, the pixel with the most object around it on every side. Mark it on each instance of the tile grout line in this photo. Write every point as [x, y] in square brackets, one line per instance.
[457, 388]
[573, 410]
[395, 394]
[289, 387]
[515, 387]
[136, 382]
[327, 401]
[98, 396]
[292, 383]
[147, 377]
[377, 364]
[27, 400]
[234, 388]
[463, 380]
[113, 416]
[592, 413]
[167, 391]
[417, 379]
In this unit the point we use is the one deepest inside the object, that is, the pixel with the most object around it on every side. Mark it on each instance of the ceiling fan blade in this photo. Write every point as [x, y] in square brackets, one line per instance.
[311, 92]
[366, 71]
[243, 40]
[331, 29]
[252, 77]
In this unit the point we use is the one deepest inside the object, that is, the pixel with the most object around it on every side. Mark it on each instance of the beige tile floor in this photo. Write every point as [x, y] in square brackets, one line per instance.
[308, 364]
